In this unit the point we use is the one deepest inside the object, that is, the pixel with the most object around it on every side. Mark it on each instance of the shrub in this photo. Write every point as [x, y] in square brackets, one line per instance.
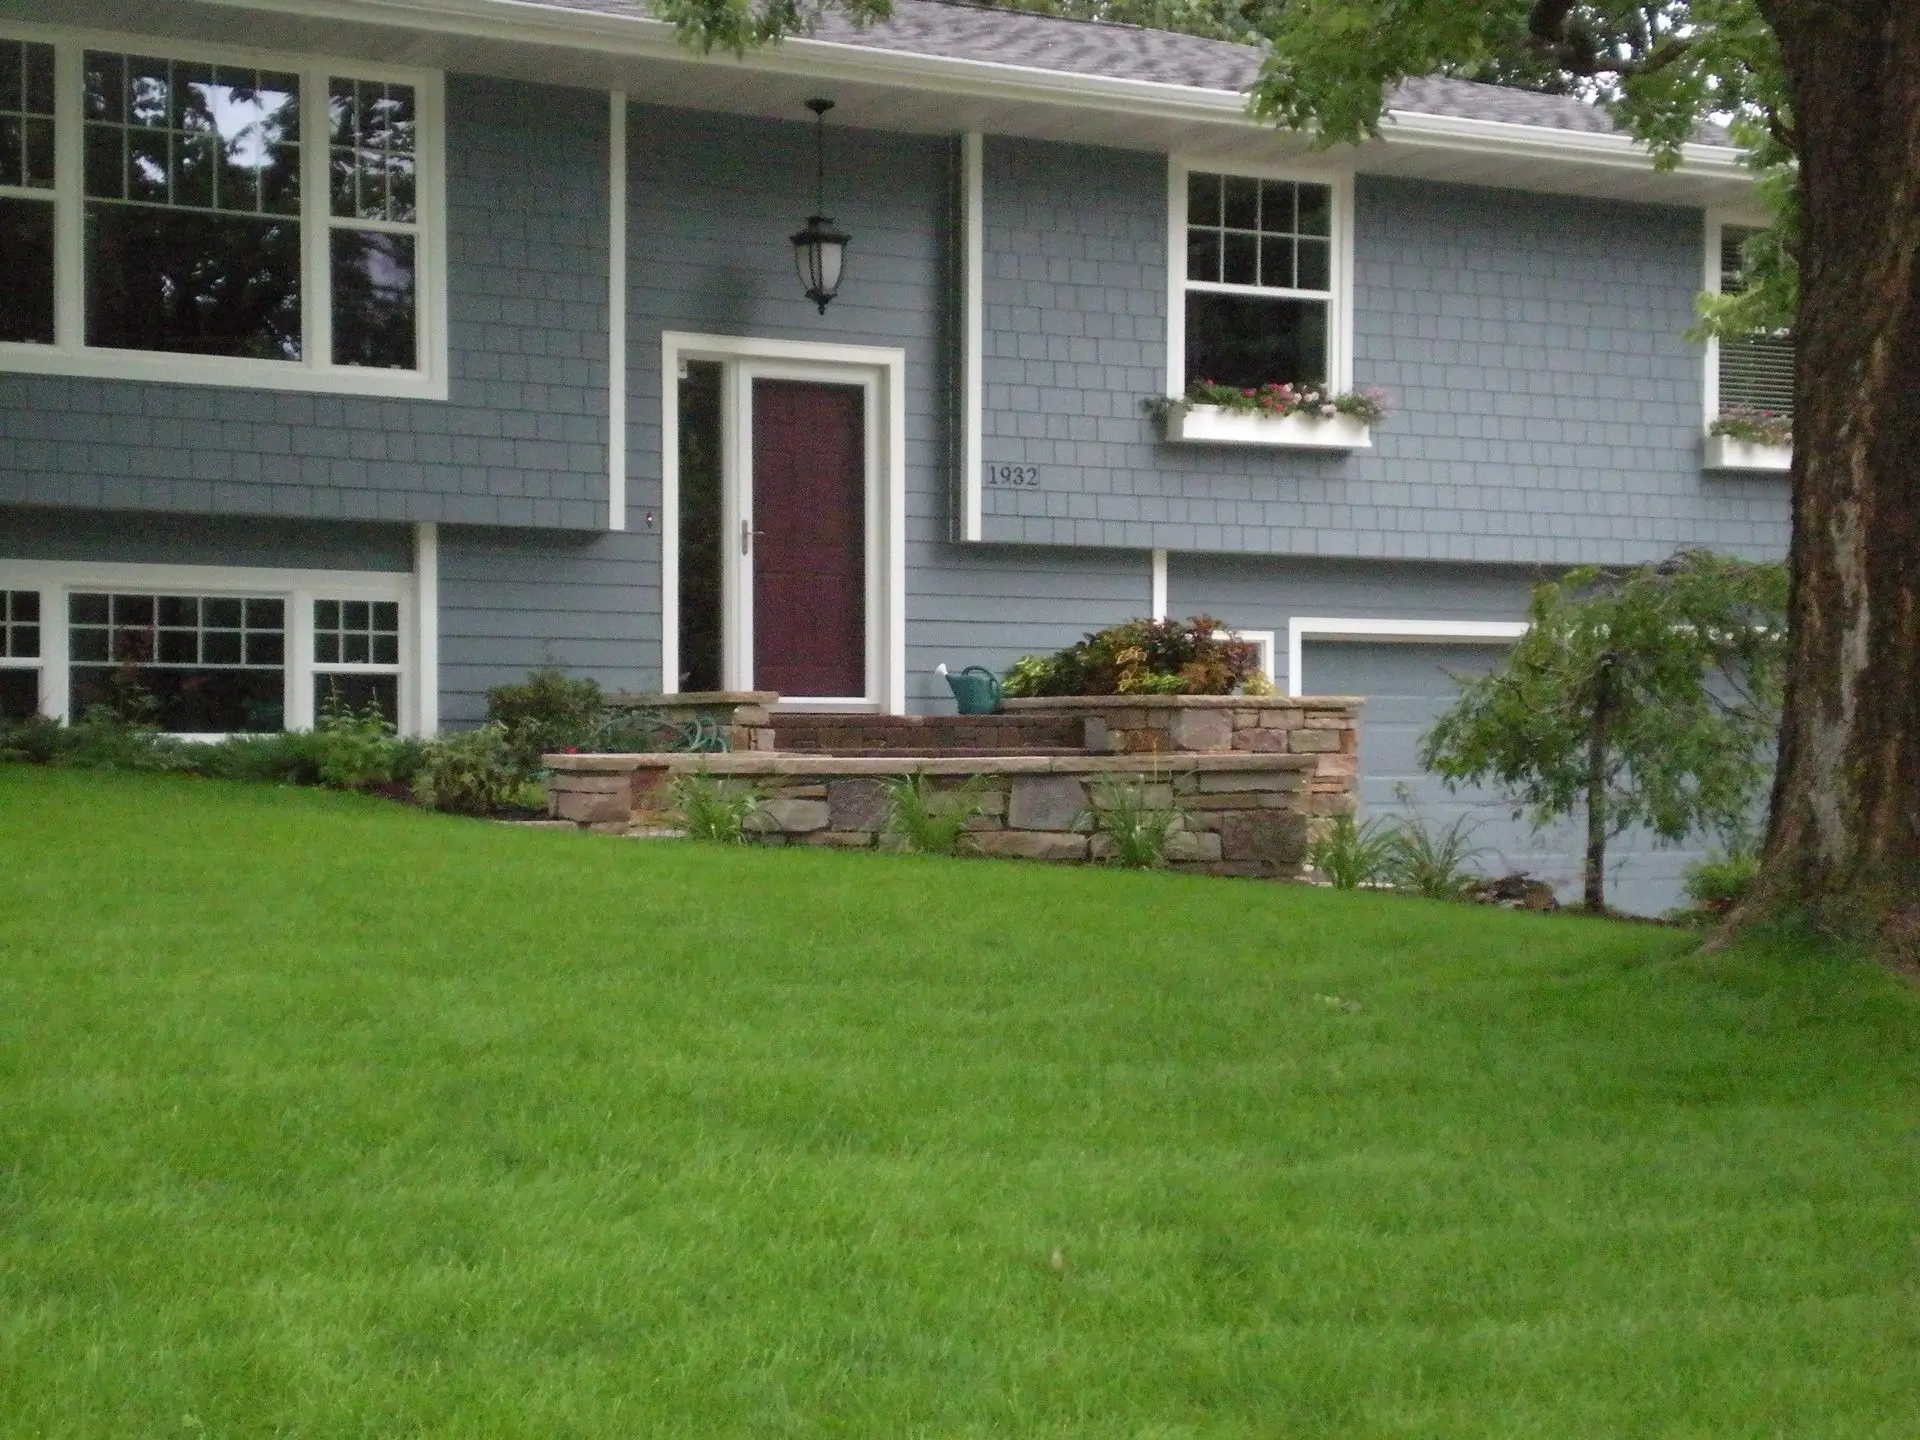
[1722, 880]
[548, 711]
[1137, 830]
[1350, 854]
[356, 748]
[716, 810]
[929, 820]
[468, 772]
[292, 757]
[1140, 657]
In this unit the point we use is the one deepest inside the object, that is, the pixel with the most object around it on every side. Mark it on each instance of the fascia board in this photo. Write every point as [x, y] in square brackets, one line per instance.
[639, 37]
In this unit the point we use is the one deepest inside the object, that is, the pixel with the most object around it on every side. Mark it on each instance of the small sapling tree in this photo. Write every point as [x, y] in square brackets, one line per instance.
[1646, 697]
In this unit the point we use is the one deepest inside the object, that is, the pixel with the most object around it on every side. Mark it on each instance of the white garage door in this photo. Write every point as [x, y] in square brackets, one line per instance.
[1406, 687]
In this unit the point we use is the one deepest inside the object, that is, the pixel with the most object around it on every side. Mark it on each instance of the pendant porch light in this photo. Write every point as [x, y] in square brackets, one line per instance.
[819, 250]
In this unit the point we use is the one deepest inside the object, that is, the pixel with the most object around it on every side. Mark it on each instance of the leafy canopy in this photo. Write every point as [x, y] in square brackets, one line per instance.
[1683, 665]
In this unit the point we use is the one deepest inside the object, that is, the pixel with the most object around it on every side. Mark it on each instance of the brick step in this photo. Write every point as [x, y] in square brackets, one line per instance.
[926, 734]
[942, 752]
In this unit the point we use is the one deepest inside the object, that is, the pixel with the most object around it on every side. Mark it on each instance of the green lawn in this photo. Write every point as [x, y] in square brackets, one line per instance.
[324, 1117]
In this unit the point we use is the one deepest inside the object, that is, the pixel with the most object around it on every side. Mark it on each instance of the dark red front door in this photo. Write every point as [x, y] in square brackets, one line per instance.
[810, 542]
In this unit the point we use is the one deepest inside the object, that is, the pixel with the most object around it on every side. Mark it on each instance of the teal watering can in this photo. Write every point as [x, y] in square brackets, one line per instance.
[977, 689]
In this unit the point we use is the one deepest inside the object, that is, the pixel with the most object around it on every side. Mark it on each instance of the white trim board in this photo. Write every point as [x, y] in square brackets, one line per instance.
[300, 588]
[617, 310]
[315, 372]
[973, 329]
[1302, 628]
[886, 368]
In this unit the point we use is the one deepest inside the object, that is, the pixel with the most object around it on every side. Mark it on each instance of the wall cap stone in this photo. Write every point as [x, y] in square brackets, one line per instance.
[1183, 702]
[767, 763]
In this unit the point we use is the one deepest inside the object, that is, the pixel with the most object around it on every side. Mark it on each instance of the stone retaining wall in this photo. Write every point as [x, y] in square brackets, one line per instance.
[1243, 813]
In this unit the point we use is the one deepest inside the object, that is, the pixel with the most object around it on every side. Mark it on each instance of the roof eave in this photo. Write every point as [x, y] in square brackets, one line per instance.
[638, 37]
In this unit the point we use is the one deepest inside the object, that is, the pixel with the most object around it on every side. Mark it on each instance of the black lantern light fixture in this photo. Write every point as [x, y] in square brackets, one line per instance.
[820, 250]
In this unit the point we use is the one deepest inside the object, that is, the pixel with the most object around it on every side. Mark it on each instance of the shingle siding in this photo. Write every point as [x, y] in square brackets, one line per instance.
[28, 533]
[522, 437]
[1546, 403]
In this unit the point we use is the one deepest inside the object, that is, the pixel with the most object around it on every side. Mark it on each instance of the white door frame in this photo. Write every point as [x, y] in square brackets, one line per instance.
[881, 372]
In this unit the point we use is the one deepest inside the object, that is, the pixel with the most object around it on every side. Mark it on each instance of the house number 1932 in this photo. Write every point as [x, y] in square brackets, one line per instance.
[1014, 477]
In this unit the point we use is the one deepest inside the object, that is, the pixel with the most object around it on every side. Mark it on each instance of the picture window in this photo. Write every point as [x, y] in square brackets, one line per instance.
[196, 664]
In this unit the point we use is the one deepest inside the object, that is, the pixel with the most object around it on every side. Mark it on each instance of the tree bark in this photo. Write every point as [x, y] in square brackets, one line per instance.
[1843, 842]
[1597, 817]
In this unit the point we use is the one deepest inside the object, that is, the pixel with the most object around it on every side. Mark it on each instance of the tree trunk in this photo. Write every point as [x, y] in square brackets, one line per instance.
[1597, 817]
[1843, 842]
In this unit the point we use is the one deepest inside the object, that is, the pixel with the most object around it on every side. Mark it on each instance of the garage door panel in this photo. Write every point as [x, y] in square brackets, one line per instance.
[1407, 687]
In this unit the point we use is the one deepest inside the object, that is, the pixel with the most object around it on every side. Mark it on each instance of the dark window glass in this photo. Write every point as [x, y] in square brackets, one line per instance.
[26, 114]
[1203, 199]
[356, 632]
[1203, 255]
[192, 230]
[1242, 265]
[373, 299]
[199, 663]
[19, 694]
[356, 692]
[1242, 199]
[702, 554]
[1250, 340]
[26, 260]
[1272, 234]
[20, 624]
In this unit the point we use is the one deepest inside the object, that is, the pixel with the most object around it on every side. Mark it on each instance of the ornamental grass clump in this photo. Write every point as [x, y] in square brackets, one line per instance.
[932, 821]
[720, 812]
[1137, 830]
[1351, 855]
[1142, 657]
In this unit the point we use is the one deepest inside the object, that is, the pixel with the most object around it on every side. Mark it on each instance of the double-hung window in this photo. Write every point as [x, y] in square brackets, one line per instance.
[1754, 373]
[173, 212]
[1260, 294]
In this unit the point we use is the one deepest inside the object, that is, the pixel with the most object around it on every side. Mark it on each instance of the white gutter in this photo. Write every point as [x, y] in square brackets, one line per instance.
[638, 37]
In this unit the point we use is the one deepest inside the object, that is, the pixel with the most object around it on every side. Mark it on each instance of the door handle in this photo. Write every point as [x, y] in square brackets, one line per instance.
[747, 536]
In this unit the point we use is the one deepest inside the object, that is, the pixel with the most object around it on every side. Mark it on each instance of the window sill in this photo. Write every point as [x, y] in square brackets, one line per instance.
[167, 368]
[1212, 425]
[1723, 452]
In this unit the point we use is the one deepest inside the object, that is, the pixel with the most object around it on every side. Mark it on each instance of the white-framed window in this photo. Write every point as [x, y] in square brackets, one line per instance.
[207, 651]
[1749, 374]
[181, 212]
[1260, 277]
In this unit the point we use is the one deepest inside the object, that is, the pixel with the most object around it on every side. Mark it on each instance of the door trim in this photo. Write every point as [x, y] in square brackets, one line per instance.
[883, 371]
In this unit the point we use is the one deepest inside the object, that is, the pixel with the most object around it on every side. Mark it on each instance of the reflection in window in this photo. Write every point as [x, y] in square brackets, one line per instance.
[356, 633]
[1246, 236]
[26, 170]
[372, 174]
[184, 663]
[192, 182]
[338, 692]
[19, 693]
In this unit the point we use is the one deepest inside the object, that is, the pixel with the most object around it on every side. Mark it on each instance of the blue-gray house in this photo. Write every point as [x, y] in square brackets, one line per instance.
[394, 347]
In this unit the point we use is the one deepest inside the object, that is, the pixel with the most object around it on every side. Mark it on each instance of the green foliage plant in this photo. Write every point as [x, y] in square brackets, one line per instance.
[1352, 854]
[1645, 697]
[468, 772]
[547, 712]
[356, 748]
[1722, 880]
[716, 810]
[1753, 425]
[929, 820]
[1436, 863]
[1140, 657]
[1137, 830]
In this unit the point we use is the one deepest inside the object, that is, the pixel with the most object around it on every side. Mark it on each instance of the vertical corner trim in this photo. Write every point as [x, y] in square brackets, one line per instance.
[617, 310]
[973, 327]
[426, 624]
[1158, 592]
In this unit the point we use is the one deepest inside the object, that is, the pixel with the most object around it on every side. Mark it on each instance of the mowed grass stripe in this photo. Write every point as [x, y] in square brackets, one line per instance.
[320, 1116]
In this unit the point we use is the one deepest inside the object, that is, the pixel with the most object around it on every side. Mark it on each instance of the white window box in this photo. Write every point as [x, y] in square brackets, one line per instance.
[1723, 452]
[1213, 425]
